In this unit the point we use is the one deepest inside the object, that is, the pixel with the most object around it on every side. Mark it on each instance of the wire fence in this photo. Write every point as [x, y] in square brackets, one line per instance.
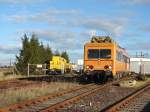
[37, 69]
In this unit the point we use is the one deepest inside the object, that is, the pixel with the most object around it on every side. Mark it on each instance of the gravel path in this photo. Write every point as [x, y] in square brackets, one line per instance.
[100, 100]
[140, 104]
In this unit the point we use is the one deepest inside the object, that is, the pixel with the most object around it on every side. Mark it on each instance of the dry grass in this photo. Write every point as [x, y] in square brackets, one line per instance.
[141, 83]
[134, 84]
[2, 77]
[9, 77]
[9, 97]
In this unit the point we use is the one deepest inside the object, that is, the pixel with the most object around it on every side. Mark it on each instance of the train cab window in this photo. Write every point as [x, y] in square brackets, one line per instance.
[93, 53]
[105, 53]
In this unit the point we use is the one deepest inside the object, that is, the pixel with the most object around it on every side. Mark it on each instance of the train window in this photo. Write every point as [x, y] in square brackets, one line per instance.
[93, 53]
[128, 60]
[105, 53]
[119, 56]
[124, 59]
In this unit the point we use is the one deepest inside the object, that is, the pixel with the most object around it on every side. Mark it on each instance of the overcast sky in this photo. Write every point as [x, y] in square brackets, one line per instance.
[68, 24]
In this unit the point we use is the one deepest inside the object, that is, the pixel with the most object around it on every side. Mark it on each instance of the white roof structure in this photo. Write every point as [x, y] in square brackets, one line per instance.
[140, 65]
[139, 59]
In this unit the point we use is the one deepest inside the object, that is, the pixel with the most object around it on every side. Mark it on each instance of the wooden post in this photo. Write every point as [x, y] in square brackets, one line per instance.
[13, 69]
[45, 69]
[28, 69]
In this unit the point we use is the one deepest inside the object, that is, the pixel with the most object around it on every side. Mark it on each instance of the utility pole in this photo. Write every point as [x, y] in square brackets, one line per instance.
[141, 64]
[10, 62]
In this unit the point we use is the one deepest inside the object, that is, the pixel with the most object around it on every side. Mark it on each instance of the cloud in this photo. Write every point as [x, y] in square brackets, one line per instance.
[132, 35]
[51, 16]
[145, 28]
[62, 40]
[138, 46]
[110, 26]
[23, 1]
[133, 2]
[59, 38]
[73, 18]
[9, 49]
[63, 12]
[54, 15]
[139, 1]
[76, 54]
[17, 18]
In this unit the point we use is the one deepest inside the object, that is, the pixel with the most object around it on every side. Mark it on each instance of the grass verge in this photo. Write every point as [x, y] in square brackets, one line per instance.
[15, 96]
[9, 77]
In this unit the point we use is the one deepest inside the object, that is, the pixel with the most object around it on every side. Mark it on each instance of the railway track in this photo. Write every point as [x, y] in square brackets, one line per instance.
[53, 102]
[57, 101]
[138, 101]
[39, 101]
[74, 99]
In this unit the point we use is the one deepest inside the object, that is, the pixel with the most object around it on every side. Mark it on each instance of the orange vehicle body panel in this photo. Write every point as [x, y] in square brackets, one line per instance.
[99, 64]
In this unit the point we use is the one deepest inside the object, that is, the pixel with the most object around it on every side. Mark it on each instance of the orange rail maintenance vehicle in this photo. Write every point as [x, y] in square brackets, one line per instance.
[104, 59]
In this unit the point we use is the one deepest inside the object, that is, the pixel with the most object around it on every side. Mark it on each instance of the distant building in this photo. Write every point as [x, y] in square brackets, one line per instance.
[74, 67]
[80, 62]
[78, 66]
[140, 65]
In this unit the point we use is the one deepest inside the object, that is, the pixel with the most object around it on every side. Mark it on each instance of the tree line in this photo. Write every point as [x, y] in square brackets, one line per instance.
[34, 52]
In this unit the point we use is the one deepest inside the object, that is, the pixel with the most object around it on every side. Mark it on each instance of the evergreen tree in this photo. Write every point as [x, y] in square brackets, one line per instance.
[48, 53]
[35, 50]
[24, 56]
[65, 56]
[32, 52]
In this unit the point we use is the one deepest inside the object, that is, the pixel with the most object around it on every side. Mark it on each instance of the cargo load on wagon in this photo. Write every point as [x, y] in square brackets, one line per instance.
[102, 39]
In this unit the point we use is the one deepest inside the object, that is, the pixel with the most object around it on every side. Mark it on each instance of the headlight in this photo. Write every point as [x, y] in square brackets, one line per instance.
[110, 67]
[89, 67]
[107, 67]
